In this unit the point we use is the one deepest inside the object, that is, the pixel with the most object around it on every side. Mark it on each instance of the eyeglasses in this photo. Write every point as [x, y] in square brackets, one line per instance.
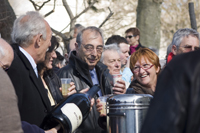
[90, 48]
[144, 67]
[5, 68]
[188, 48]
[130, 36]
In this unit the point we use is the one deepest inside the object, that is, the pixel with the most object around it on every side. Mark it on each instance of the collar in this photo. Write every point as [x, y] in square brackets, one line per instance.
[134, 46]
[93, 70]
[30, 58]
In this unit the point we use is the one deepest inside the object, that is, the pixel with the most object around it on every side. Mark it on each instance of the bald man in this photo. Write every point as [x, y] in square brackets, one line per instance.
[6, 54]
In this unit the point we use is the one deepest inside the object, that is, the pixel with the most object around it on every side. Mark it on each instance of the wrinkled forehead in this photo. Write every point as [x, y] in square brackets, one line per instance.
[89, 35]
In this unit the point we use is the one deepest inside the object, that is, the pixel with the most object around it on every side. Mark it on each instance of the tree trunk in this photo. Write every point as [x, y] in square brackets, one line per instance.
[7, 17]
[148, 21]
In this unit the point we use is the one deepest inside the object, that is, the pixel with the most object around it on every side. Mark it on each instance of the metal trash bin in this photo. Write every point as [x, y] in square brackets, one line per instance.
[126, 112]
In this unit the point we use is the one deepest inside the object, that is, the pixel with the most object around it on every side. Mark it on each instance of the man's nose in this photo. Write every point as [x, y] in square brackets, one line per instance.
[127, 55]
[94, 52]
[117, 64]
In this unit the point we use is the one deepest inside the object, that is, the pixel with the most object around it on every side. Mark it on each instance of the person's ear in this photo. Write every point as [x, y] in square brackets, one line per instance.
[38, 40]
[174, 49]
[157, 70]
[76, 46]
[137, 37]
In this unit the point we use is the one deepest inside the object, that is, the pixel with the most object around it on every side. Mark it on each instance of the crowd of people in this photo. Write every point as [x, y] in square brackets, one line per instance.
[32, 68]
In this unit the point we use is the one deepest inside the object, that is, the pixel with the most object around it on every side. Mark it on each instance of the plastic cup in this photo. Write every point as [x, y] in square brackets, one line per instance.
[116, 77]
[65, 85]
[103, 100]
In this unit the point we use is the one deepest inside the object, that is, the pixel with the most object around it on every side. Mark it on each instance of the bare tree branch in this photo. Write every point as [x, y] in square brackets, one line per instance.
[71, 16]
[4, 18]
[63, 36]
[36, 6]
[85, 10]
[59, 34]
[108, 17]
[53, 10]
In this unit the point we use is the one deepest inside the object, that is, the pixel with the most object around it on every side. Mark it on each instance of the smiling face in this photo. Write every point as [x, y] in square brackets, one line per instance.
[91, 48]
[49, 59]
[146, 77]
[112, 61]
[124, 53]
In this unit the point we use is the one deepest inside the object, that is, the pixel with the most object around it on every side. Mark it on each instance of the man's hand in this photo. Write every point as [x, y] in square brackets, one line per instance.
[71, 89]
[53, 130]
[119, 87]
[99, 107]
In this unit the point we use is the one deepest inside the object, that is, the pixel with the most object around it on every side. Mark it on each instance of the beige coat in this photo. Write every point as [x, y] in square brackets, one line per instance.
[9, 114]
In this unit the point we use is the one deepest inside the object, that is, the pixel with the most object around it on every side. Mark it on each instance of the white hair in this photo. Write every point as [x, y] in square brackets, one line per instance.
[110, 47]
[26, 27]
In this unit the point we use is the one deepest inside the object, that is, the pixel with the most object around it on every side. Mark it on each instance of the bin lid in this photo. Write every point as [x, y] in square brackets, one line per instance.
[129, 99]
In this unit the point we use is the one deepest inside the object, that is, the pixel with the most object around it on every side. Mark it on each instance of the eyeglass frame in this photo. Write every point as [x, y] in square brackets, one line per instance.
[5, 68]
[190, 47]
[130, 36]
[99, 52]
[139, 67]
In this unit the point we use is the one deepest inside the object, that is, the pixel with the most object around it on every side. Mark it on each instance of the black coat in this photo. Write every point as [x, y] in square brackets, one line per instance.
[33, 101]
[53, 82]
[176, 104]
[79, 72]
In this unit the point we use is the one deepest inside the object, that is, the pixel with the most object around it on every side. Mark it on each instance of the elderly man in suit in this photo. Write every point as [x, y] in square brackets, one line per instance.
[31, 37]
[10, 118]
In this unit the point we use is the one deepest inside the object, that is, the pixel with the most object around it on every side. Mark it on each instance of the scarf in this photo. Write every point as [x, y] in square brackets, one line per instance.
[133, 48]
[170, 56]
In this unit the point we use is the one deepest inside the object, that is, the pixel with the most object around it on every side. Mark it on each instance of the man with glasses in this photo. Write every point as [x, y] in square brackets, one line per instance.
[133, 38]
[184, 40]
[85, 70]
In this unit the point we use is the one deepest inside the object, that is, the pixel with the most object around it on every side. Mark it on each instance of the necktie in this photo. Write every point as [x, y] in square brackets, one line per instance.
[95, 80]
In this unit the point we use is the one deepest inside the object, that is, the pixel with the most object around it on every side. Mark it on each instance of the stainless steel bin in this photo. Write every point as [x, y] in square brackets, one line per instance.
[126, 112]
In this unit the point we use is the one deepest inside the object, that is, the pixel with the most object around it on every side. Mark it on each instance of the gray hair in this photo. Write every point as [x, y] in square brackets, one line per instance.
[26, 27]
[94, 29]
[169, 49]
[110, 47]
[79, 27]
[181, 33]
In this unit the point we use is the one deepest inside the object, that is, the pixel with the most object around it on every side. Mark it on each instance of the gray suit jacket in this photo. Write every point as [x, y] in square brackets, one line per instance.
[9, 114]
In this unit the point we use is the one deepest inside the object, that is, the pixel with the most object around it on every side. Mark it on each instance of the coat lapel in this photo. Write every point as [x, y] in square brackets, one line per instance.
[36, 80]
